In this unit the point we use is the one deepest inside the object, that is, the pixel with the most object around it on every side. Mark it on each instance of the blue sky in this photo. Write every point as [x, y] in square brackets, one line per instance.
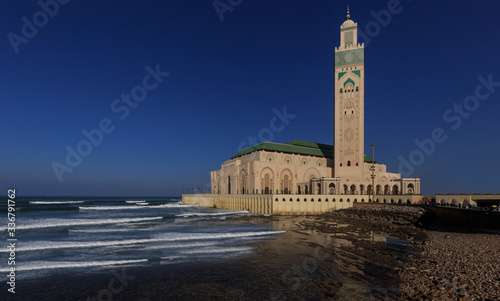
[226, 77]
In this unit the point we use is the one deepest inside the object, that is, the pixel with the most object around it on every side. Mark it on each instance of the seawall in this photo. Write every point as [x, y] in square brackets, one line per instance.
[200, 199]
[277, 204]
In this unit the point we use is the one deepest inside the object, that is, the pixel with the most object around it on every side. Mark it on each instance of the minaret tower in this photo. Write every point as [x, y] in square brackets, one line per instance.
[349, 103]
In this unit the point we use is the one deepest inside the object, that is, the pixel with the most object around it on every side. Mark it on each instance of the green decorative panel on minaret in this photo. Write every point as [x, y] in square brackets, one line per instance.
[349, 57]
[349, 81]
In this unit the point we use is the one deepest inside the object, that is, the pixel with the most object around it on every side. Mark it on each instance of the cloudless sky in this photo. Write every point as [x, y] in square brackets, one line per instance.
[225, 79]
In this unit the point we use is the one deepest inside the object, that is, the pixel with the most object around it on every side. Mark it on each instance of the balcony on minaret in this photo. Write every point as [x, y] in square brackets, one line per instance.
[348, 47]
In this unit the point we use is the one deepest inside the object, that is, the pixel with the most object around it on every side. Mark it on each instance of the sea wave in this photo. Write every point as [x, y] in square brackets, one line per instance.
[218, 250]
[134, 207]
[55, 202]
[134, 202]
[44, 265]
[54, 222]
[212, 214]
[107, 230]
[44, 245]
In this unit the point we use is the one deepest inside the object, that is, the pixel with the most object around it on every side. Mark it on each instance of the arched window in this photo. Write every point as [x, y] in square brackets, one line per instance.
[357, 89]
[348, 163]
[286, 184]
[411, 188]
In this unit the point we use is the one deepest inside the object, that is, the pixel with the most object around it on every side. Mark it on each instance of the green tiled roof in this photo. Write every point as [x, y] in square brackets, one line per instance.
[368, 159]
[288, 148]
[294, 147]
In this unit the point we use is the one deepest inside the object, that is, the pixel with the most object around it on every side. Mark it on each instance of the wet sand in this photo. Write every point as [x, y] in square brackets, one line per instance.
[327, 257]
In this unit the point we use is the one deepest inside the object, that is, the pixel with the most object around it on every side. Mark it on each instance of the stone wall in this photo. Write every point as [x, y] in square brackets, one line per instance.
[290, 204]
[303, 204]
[203, 200]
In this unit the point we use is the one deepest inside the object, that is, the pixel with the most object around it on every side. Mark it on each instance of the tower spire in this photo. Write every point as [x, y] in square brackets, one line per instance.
[348, 15]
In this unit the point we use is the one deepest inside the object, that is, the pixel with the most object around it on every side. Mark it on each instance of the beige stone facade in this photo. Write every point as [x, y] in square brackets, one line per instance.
[271, 172]
[302, 168]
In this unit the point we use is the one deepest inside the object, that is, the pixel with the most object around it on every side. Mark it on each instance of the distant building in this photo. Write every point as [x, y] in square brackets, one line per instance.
[468, 199]
[300, 167]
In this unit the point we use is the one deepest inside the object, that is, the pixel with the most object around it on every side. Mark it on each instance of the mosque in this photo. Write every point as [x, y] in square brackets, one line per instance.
[300, 167]
[300, 177]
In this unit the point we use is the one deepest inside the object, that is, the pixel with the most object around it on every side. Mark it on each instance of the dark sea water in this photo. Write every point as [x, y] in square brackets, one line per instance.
[59, 237]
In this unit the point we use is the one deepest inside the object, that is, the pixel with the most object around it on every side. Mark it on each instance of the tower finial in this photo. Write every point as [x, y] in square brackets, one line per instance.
[348, 15]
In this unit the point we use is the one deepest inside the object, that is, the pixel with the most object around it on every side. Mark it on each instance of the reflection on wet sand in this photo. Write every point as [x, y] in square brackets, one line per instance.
[331, 259]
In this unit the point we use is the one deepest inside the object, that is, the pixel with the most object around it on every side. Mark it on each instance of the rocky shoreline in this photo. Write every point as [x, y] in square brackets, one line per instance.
[454, 263]
[454, 266]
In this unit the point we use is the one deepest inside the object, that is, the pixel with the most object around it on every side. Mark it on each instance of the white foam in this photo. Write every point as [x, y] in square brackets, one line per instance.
[54, 222]
[212, 214]
[44, 265]
[182, 245]
[133, 207]
[109, 207]
[134, 202]
[46, 245]
[106, 230]
[55, 202]
[219, 250]
[171, 257]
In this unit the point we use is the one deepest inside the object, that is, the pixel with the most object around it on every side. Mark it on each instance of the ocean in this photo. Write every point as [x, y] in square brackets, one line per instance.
[58, 237]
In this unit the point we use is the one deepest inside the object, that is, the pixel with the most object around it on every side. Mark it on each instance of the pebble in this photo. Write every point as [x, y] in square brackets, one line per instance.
[451, 266]
[454, 266]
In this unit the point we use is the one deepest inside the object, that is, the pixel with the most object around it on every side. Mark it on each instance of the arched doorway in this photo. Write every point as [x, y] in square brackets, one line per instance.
[286, 183]
[331, 188]
[267, 181]
[243, 181]
[395, 189]
[411, 188]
